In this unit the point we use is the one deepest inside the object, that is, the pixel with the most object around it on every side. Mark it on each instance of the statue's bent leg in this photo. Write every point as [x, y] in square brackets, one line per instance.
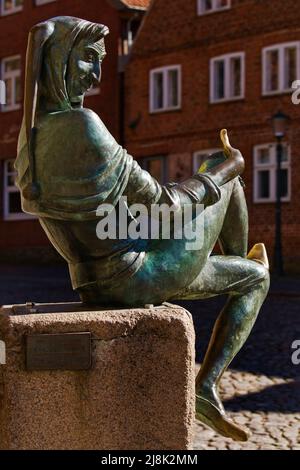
[247, 284]
[233, 238]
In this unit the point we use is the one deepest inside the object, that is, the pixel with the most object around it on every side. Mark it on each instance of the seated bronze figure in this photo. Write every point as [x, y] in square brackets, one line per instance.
[68, 164]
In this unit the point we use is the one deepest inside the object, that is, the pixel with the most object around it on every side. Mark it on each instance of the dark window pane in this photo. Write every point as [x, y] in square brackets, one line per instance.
[264, 184]
[15, 203]
[11, 180]
[236, 76]
[263, 156]
[173, 88]
[219, 79]
[206, 5]
[272, 70]
[10, 166]
[290, 66]
[158, 91]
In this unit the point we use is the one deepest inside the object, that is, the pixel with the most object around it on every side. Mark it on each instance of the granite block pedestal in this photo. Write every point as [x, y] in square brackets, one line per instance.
[137, 392]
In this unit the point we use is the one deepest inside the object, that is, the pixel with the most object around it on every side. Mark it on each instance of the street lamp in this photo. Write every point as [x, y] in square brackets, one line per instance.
[280, 122]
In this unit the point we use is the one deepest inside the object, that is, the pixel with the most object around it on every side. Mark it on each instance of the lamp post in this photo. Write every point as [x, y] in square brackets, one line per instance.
[279, 121]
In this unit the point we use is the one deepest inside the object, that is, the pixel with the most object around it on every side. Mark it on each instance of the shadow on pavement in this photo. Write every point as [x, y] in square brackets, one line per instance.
[281, 398]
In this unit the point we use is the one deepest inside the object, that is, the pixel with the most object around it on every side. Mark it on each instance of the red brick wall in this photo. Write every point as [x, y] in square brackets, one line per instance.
[190, 40]
[13, 40]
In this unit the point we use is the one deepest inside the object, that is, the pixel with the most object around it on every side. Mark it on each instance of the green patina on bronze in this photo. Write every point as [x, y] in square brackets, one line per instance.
[68, 164]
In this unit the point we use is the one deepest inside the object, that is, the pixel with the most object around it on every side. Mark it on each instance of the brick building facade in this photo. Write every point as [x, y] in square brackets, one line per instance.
[201, 65]
[19, 234]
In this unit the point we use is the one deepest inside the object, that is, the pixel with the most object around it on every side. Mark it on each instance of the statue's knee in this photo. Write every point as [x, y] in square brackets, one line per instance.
[266, 281]
[263, 276]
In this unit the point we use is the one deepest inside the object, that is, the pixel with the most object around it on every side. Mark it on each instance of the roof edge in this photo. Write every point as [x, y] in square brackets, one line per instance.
[145, 18]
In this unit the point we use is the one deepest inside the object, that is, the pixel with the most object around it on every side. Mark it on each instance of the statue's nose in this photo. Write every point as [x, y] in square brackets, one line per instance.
[96, 74]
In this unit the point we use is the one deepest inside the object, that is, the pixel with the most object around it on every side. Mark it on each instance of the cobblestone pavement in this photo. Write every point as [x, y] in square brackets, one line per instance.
[261, 390]
[267, 406]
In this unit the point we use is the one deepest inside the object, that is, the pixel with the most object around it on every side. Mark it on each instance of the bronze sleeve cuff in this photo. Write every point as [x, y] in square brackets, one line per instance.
[212, 190]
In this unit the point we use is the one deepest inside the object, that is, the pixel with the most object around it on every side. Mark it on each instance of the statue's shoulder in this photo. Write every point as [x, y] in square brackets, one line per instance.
[85, 116]
[84, 121]
[81, 129]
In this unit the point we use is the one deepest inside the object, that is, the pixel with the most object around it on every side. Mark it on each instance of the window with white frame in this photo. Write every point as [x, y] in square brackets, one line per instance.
[265, 174]
[11, 75]
[210, 6]
[42, 2]
[281, 65]
[227, 77]
[200, 157]
[165, 88]
[11, 6]
[12, 209]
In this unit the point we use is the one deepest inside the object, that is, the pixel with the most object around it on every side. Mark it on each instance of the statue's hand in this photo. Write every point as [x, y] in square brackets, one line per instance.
[225, 142]
[232, 153]
[233, 164]
[221, 169]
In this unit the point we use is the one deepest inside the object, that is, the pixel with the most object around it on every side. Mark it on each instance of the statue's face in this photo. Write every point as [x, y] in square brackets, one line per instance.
[84, 69]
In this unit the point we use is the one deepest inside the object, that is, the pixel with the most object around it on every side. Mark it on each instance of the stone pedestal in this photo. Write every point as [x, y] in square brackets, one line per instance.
[138, 392]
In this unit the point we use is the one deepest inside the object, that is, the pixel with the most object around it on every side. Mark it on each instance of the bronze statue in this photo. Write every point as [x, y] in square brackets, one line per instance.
[68, 164]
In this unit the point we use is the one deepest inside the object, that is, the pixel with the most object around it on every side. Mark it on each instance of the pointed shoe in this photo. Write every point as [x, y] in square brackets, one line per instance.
[259, 254]
[210, 415]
